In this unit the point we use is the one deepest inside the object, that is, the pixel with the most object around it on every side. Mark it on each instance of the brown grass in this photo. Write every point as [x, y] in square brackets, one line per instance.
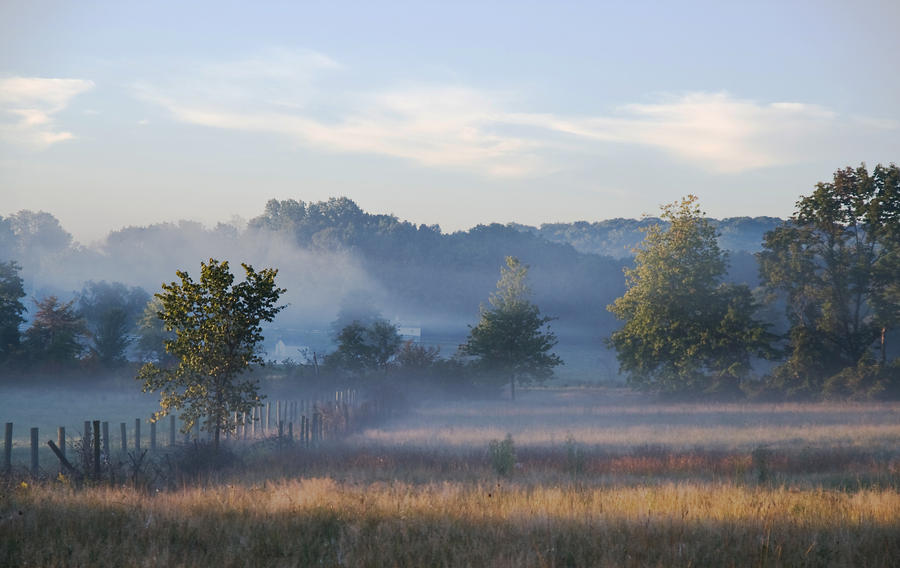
[797, 485]
[325, 522]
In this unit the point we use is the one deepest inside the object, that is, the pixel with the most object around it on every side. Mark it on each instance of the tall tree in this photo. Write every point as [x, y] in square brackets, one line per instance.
[685, 330]
[55, 339]
[11, 309]
[111, 312]
[510, 342]
[836, 264]
[217, 333]
[366, 348]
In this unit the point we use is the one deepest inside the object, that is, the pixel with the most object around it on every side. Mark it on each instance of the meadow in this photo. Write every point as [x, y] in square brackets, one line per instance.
[592, 477]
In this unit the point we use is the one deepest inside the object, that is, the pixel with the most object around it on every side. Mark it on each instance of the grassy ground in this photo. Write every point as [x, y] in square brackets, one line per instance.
[600, 478]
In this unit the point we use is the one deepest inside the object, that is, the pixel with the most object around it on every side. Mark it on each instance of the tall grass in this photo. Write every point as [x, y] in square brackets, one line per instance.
[596, 480]
[321, 521]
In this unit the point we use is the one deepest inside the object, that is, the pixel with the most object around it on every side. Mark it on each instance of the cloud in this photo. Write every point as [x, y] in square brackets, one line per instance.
[456, 126]
[27, 106]
[713, 131]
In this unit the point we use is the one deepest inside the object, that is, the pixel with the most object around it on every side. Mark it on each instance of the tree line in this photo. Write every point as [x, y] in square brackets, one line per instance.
[833, 267]
[817, 318]
[832, 270]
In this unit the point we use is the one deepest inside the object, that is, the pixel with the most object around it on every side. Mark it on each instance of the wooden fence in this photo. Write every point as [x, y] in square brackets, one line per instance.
[303, 422]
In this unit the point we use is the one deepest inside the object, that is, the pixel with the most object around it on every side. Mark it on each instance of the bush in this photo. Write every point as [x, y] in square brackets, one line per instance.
[503, 456]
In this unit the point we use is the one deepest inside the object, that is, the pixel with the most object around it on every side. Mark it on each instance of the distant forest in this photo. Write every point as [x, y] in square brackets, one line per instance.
[332, 255]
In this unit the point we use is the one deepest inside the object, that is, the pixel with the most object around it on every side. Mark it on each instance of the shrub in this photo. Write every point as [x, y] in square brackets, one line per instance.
[503, 455]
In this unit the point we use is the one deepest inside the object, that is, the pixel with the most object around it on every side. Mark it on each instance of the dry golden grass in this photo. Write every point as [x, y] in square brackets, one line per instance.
[600, 480]
[320, 521]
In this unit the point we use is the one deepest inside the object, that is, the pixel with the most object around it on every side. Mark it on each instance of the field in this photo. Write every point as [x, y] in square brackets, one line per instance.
[593, 477]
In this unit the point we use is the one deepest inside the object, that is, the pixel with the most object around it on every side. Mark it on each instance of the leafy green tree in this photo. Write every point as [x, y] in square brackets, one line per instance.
[55, 339]
[366, 348]
[886, 220]
[217, 333]
[685, 330]
[836, 264]
[111, 312]
[11, 309]
[509, 342]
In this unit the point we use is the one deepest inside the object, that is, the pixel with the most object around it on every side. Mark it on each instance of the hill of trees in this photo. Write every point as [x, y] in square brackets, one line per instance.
[332, 254]
[617, 238]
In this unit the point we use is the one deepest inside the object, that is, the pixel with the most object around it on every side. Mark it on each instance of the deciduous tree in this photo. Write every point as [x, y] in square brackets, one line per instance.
[366, 348]
[55, 339]
[685, 331]
[111, 312]
[836, 264]
[11, 309]
[217, 333]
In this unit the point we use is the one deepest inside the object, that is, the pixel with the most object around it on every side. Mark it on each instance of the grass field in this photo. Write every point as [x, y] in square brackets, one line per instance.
[600, 478]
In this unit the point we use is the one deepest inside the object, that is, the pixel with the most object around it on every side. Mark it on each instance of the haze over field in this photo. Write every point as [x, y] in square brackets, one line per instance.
[503, 283]
[117, 114]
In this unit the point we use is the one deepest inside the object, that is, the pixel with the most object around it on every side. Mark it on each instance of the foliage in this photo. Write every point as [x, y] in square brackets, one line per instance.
[414, 357]
[509, 342]
[54, 340]
[216, 326]
[442, 275]
[836, 263]
[503, 456]
[38, 234]
[366, 348]
[11, 309]
[685, 330]
[867, 380]
[111, 312]
[618, 237]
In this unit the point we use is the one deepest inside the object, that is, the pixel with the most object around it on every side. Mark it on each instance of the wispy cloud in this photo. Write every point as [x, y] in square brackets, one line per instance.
[714, 131]
[27, 106]
[456, 126]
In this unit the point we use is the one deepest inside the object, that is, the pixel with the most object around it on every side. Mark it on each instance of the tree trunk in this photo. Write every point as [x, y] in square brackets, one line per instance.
[883, 346]
[216, 439]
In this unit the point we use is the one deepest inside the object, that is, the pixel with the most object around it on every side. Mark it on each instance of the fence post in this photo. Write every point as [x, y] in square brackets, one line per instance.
[61, 439]
[124, 438]
[302, 431]
[7, 448]
[106, 439]
[137, 436]
[96, 449]
[35, 464]
[153, 436]
[86, 444]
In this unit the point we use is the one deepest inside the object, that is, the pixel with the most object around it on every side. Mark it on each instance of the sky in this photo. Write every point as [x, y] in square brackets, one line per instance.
[130, 113]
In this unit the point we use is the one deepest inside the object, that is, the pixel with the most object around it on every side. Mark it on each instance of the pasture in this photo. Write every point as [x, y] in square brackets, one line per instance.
[598, 477]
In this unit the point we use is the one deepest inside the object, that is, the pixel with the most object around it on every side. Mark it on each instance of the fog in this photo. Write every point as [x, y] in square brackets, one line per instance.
[331, 253]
